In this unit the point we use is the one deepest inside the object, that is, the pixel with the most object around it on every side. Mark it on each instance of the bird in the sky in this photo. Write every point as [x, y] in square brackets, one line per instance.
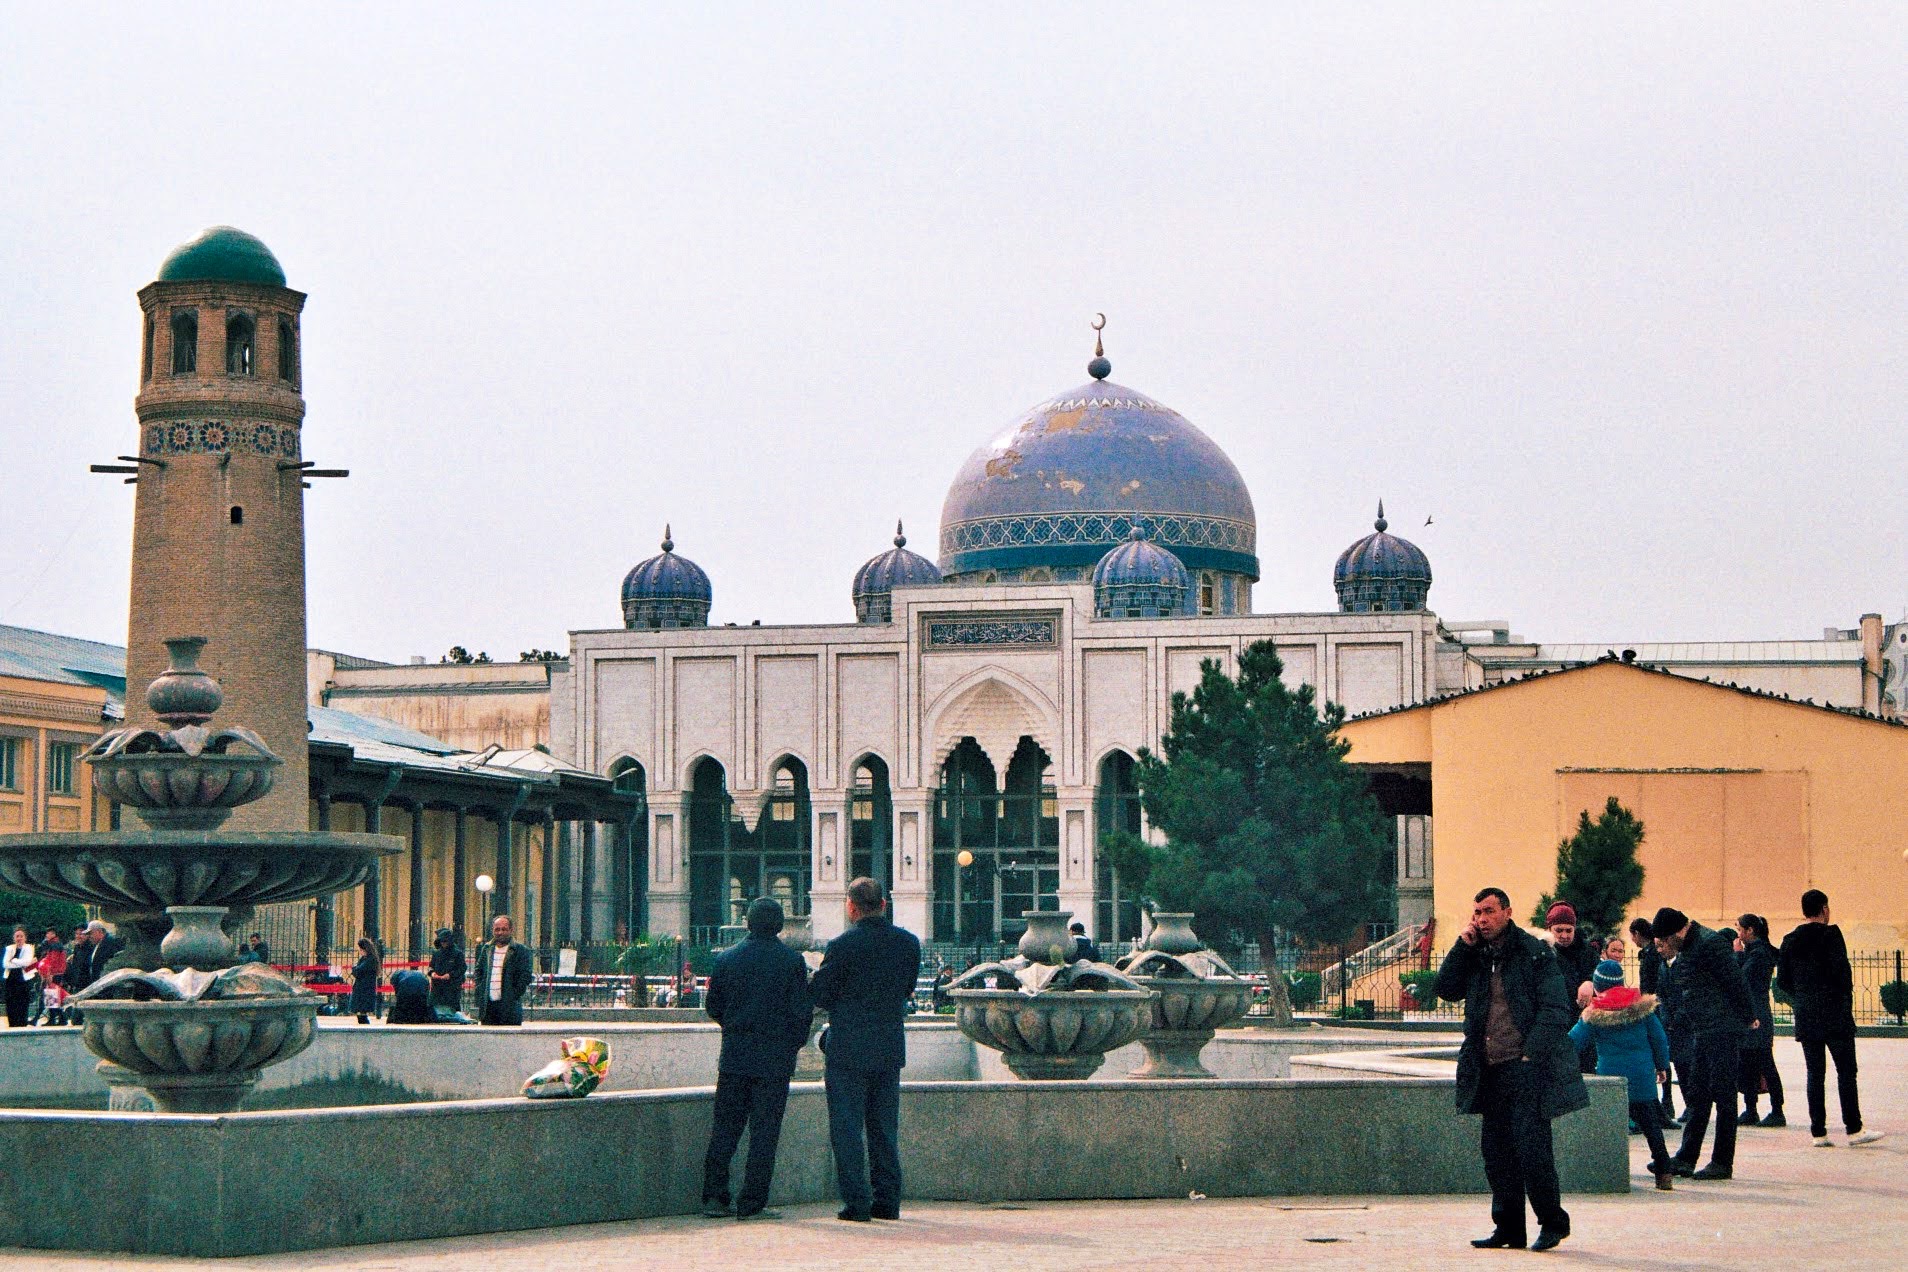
[1427, 521]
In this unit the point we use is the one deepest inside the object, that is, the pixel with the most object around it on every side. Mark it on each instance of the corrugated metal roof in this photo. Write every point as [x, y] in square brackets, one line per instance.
[64, 660]
[328, 724]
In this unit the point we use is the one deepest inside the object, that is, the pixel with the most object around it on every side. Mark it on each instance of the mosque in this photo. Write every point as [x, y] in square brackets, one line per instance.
[970, 737]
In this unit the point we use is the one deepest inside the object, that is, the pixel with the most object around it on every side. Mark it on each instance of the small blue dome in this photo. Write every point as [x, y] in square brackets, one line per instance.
[666, 591]
[1382, 572]
[897, 567]
[1140, 580]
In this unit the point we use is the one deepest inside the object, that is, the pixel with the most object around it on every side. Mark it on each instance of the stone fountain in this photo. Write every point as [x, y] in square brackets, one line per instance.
[176, 1018]
[1048, 1015]
[1196, 994]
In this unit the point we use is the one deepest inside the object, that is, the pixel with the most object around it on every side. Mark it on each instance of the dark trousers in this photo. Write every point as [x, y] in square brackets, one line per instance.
[865, 1102]
[1758, 1071]
[1843, 1049]
[493, 1014]
[17, 998]
[757, 1103]
[1648, 1117]
[1710, 1087]
[1518, 1158]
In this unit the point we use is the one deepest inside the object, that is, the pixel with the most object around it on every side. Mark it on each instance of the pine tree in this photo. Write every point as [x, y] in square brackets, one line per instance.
[1597, 870]
[1266, 827]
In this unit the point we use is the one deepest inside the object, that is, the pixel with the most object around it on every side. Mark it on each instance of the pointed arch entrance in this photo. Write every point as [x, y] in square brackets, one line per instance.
[1008, 829]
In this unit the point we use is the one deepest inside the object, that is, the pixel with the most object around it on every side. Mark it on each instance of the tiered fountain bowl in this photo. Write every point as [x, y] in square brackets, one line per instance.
[1196, 994]
[176, 1018]
[1048, 1015]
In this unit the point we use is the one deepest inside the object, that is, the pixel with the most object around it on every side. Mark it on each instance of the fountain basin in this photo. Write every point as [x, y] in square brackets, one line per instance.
[146, 871]
[1056, 1035]
[196, 1057]
[1184, 1017]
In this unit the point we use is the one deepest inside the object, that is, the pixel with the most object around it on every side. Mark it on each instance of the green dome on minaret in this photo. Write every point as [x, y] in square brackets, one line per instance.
[223, 255]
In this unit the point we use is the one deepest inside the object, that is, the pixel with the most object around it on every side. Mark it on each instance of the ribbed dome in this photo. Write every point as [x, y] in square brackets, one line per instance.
[225, 255]
[1139, 580]
[879, 576]
[666, 591]
[1382, 572]
[1069, 479]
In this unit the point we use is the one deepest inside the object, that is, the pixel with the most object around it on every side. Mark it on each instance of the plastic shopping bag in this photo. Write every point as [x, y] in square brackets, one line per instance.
[584, 1065]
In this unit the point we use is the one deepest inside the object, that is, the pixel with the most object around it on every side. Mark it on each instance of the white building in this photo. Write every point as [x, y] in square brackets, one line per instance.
[972, 736]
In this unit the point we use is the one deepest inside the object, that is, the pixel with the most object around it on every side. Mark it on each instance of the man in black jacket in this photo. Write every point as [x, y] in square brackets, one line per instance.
[504, 974]
[1517, 1067]
[758, 993]
[1714, 1005]
[866, 985]
[1649, 979]
[1813, 970]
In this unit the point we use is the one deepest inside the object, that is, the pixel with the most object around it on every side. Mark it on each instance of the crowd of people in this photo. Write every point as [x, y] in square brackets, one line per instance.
[1540, 1014]
[40, 979]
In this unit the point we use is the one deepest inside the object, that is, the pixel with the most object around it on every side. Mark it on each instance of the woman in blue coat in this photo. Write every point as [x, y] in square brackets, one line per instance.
[1621, 1023]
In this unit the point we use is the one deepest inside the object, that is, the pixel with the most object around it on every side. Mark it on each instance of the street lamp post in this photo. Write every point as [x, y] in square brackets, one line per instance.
[963, 859]
[484, 883]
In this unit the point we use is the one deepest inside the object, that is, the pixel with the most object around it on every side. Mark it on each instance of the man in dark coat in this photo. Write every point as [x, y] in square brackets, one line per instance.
[1517, 1066]
[1713, 1006]
[1083, 946]
[1649, 980]
[1813, 970]
[758, 993]
[866, 985]
[503, 976]
[448, 968]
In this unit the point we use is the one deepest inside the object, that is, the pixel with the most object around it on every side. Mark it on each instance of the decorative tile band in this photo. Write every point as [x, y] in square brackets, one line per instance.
[219, 437]
[1002, 630]
[1051, 529]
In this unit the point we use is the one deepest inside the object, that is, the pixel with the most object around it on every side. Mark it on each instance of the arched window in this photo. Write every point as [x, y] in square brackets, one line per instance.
[871, 823]
[1039, 574]
[1207, 587]
[185, 342]
[1116, 811]
[240, 334]
[1011, 832]
[287, 352]
[145, 361]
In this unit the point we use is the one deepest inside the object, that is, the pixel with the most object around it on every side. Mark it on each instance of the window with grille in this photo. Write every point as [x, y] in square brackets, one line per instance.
[62, 762]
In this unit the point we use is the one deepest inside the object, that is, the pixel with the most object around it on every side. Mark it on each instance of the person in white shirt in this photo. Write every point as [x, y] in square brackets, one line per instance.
[504, 973]
[20, 973]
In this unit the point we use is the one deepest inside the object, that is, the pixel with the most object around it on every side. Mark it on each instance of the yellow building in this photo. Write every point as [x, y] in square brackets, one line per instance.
[56, 695]
[1746, 799]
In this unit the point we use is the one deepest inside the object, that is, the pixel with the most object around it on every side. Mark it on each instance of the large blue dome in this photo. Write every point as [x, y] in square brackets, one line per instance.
[225, 255]
[879, 576]
[1382, 572]
[666, 591]
[1067, 481]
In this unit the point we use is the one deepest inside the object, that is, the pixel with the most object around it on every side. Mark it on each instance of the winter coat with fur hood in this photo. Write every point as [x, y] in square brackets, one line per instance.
[1629, 1038]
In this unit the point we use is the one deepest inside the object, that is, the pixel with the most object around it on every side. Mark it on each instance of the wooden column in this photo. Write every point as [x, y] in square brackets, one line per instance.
[420, 939]
[460, 883]
[586, 929]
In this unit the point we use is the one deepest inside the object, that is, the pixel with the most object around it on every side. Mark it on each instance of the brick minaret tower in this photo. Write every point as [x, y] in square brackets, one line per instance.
[219, 522]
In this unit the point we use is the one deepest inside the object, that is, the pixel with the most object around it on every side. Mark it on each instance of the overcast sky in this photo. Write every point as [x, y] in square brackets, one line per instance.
[1618, 302]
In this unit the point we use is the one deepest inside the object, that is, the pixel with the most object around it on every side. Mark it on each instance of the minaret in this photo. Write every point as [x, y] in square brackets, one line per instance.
[218, 521]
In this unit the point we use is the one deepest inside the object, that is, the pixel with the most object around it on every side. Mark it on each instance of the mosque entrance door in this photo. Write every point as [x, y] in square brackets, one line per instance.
[1009, 834]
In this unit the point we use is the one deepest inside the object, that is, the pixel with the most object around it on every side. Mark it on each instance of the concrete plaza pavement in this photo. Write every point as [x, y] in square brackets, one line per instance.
[1790, 1206]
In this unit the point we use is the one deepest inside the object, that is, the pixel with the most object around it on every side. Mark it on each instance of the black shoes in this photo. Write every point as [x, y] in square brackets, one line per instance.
[1775, 1118]
[1713, 1171]
[715, 1208]
[1549, 1240]
[854, 1216]
[1499, 1241]
[1748, 1118]
[1680, 1167]
[880, 1211]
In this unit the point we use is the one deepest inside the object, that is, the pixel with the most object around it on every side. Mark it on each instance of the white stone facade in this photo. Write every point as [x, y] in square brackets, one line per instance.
[994, 663]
